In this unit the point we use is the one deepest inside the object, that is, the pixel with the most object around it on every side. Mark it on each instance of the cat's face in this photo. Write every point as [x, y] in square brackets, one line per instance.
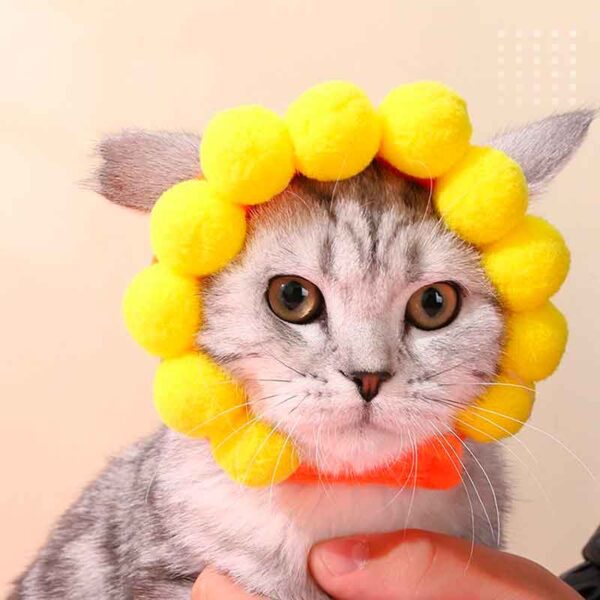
[368, 244]
[376, 285]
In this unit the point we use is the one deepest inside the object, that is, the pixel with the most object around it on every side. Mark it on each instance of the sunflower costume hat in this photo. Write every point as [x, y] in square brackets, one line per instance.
[249, 155]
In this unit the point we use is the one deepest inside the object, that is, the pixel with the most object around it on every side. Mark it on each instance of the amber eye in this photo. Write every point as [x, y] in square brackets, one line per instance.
[294, 299]
[433, 306]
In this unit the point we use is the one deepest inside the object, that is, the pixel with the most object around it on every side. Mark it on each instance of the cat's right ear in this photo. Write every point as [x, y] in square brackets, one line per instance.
[137, 166]
[543, 148]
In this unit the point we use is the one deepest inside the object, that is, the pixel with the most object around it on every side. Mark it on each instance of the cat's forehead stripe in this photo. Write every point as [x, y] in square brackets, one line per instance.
[368, 237]
[366, 219]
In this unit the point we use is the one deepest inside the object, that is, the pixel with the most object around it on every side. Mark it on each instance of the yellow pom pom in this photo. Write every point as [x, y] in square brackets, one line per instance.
[499, 412]
[334, 129]
[535, 342]
[483, 196]
[528, 265]
[256, 455]
[425, 128]
[162, 311]
[247, 154]
[197, 398]
[194, 231]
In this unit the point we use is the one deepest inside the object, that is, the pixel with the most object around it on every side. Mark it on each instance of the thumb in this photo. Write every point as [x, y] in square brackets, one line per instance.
[212, 585]
[413, 564]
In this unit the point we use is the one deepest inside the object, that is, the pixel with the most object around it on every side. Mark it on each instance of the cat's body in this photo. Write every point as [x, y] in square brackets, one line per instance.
[163, 510]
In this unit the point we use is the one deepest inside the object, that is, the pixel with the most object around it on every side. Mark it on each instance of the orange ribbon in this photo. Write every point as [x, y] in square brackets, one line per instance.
[435, 466]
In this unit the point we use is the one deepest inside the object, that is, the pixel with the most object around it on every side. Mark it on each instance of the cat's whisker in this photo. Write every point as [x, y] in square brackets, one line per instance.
[323, 484]
[254, 419]
[190, 432]
[552, 437]
[530, 471]
[475, 489]
[274, 430]
[426, 213]
[250, 380]
[236, 431]
[247, 403]
[281, 362]
[152, 480]
[487, 384]
[415, 454]
[296, 195]
[444, 446]
[465, 471]
[459, 406]
[337, 179]
[405, 484]
[443, 371]
[485, 474]
[193, 430]
[288, 437]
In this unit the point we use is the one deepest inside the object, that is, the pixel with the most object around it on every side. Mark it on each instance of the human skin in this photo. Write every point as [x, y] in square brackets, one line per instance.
[411, 565]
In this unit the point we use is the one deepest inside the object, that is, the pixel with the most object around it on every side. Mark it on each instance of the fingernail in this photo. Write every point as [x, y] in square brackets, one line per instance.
[341, 557]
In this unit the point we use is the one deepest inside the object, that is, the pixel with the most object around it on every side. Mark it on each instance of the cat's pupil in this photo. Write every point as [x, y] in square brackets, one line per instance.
[432, 301]
[293, 294]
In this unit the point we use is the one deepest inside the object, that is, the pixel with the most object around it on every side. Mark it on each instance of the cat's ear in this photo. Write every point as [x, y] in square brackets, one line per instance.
[543, 148]
[137, 166]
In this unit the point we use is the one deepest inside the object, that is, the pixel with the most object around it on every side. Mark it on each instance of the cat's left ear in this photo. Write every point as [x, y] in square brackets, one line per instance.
[543, 148]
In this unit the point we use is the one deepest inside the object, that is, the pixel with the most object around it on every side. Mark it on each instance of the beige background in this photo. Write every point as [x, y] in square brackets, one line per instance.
[74, 388]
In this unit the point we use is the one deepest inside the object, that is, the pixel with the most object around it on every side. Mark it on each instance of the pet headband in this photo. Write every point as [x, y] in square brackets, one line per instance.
[249, 155]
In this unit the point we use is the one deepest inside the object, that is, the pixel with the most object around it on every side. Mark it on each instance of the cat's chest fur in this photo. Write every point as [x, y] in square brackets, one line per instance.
[238, 528]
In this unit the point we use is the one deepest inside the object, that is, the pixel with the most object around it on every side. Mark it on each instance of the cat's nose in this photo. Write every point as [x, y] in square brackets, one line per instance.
[368, 383]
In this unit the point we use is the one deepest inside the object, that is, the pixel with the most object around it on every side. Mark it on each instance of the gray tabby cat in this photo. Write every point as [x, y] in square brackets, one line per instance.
[332, 357]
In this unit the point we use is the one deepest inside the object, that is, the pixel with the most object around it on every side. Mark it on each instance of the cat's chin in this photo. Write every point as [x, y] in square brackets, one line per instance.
[355, 448]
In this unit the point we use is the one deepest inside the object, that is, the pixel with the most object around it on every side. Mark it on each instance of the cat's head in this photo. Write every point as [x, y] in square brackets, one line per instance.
[357, 322]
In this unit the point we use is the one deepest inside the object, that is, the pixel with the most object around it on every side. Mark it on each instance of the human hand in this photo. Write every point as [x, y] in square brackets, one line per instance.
[211, 585]
[407, 565]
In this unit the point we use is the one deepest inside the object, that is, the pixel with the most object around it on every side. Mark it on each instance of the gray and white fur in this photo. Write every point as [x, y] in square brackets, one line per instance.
[163, 510]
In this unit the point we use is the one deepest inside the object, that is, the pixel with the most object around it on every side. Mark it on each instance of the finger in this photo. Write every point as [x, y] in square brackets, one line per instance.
[412, 564]
[211, 585]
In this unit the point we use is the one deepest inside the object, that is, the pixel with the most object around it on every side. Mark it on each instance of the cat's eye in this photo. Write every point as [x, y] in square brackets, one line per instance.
[433, 306]
[294, 299]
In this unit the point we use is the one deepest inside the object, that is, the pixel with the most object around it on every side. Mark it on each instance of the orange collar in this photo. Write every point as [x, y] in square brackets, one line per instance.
[436, 465]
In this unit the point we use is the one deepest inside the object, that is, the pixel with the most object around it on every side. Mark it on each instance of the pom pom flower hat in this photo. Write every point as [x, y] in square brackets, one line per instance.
[249, 155]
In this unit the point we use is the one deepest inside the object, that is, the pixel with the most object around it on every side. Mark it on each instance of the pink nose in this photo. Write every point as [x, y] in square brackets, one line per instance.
[368, 384]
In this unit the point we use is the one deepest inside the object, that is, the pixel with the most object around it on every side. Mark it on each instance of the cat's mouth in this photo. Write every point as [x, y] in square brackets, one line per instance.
[367, 422]
[365, 428]
[364, 421]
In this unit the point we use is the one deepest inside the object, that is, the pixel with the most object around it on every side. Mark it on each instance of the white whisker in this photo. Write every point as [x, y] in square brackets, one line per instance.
[488, 384]
[283, 447]
[495, 498]
[529, 470]
[274, 430]
[469, 500]
[547, 434]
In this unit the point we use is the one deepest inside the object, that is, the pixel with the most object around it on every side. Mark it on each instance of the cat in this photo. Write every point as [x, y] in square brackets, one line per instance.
[163, 510]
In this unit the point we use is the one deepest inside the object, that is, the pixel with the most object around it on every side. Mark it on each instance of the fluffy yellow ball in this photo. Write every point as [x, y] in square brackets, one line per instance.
[247, 154]
[425, 128]
[499, 412]
[196, 397]
[162, 311]
[256, 455]
[194, 231]
[483, 196]
[528, 265]
[334, 129]
[535, 342]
